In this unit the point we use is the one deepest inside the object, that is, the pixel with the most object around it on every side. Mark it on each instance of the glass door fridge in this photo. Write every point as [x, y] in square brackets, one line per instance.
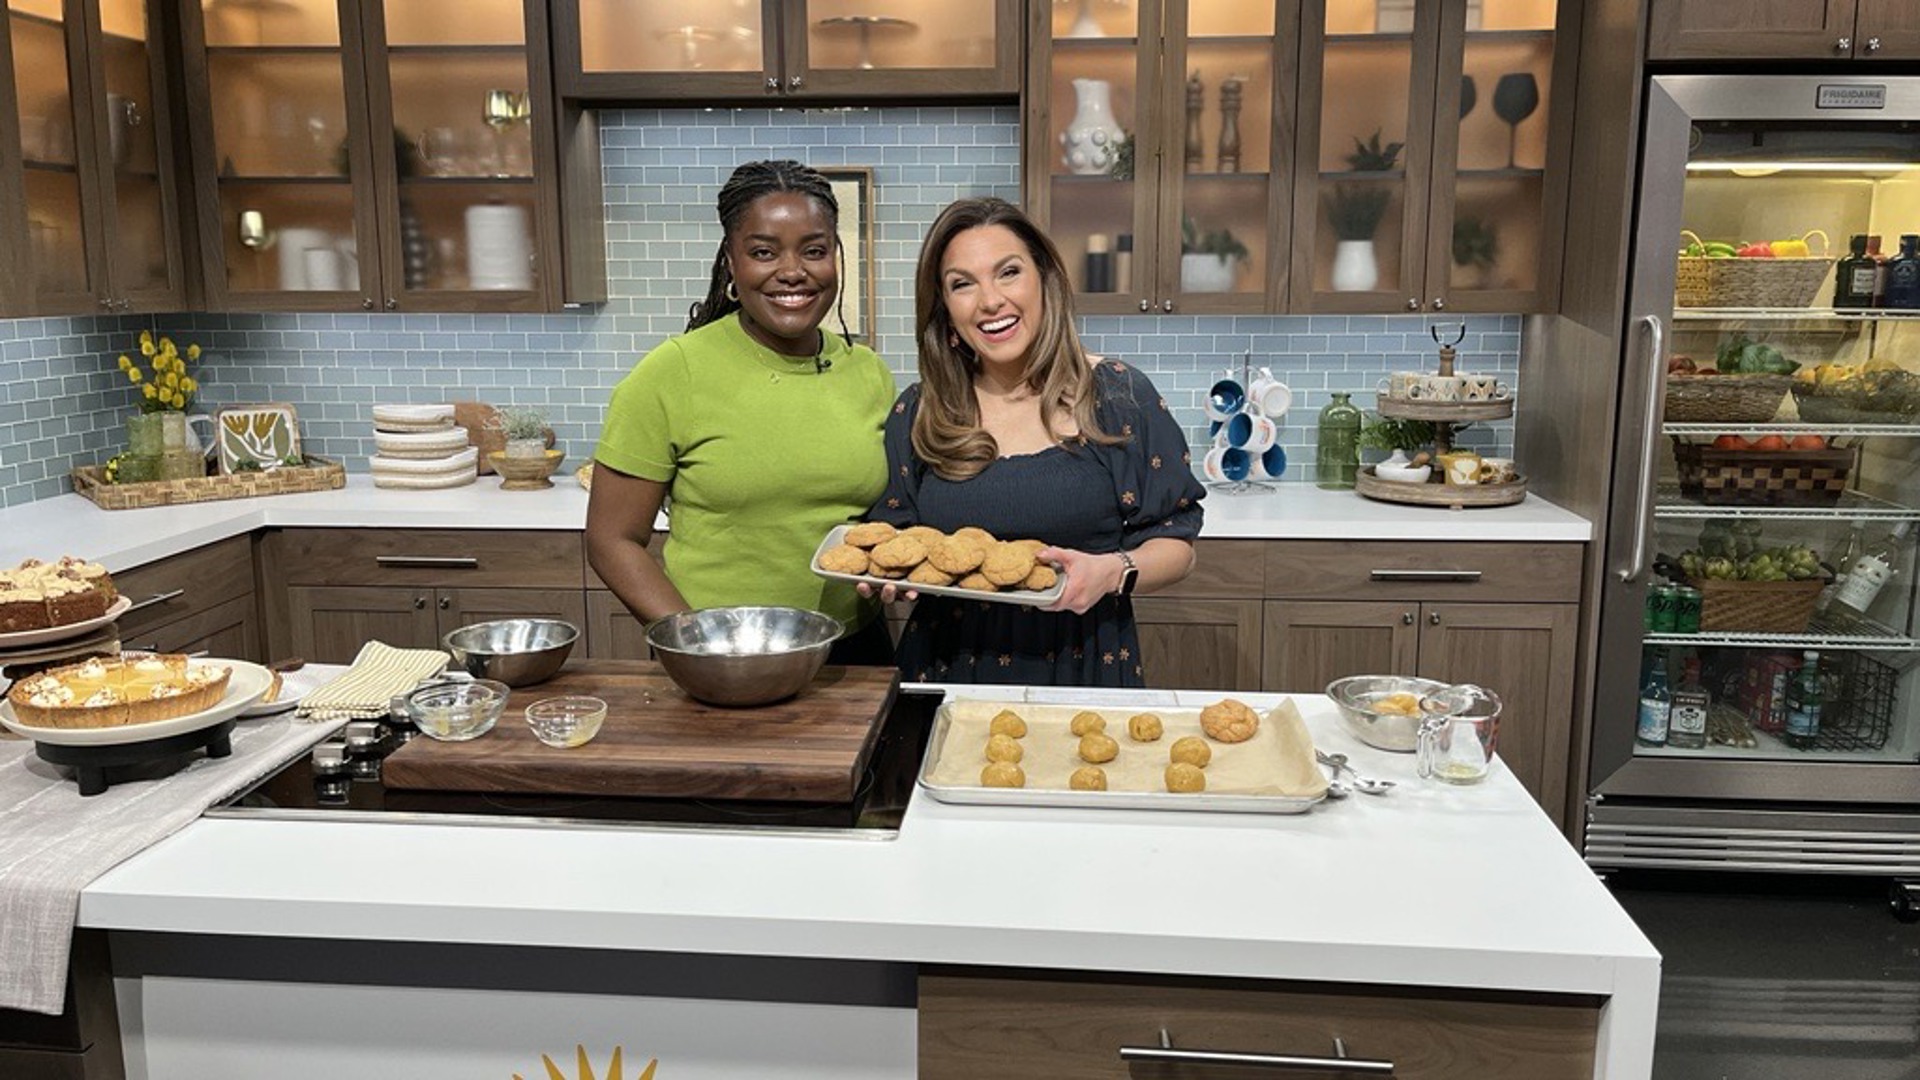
[1755, 702]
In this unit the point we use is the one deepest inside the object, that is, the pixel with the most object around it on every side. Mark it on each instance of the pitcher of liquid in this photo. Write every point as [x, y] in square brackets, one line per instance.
[1458, 729]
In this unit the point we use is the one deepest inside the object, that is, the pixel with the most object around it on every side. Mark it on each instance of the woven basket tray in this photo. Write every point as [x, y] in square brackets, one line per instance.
[1750, 282]
[1765, 607]
[1725, 399]
[1762, 477]
[318, 474]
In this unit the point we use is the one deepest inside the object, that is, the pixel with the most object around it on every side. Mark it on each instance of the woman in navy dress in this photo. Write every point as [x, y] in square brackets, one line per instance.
[1015, 429]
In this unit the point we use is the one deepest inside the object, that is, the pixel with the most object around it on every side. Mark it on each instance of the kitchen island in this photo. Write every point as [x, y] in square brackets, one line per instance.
[425, 950]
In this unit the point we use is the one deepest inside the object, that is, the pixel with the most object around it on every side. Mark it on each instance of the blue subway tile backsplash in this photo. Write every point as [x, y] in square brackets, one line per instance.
[63, 400]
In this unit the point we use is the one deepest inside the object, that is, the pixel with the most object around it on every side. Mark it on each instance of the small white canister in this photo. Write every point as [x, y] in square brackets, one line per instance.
[499, 247]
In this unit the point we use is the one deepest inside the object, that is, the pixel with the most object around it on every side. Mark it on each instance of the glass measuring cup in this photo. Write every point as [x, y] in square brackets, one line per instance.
[1459, 729]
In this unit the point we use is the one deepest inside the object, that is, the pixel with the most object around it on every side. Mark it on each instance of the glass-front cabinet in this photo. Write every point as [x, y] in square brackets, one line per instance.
[1432, 164]
[733, 50]
[56, 157]
[1164, 193]
[133, 125]
[396, 160]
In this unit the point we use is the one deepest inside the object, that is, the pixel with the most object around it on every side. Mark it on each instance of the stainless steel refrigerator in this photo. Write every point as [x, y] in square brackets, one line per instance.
[1749, 159]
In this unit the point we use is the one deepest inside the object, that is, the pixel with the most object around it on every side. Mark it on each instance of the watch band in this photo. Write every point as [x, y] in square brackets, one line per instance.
[1129, 575]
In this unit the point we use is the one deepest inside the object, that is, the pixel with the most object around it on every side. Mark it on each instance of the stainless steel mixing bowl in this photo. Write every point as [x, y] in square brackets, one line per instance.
[1355, 696]
[518, 652]
[740, 656]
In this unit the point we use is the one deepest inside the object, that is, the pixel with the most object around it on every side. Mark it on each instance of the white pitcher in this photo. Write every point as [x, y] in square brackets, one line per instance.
[204, 446]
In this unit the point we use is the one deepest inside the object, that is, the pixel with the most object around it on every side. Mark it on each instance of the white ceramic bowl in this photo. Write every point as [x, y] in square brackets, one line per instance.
[1403, 474]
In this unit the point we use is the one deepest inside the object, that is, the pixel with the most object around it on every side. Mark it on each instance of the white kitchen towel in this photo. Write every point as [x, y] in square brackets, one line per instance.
[378, 675]
[55, 841]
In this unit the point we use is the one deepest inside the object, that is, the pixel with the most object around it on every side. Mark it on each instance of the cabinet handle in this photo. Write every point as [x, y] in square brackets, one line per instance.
[1381, 574]
[419, 603]
[1656, 346]
[107, 302]
[1166, 306]
[1873, 44]
[795, 82]
[1433, 618]
[773, 85]
[1413, 303]
[392, 303]
[1340, 1063]
[366, 302]
[156, 598]
[1146, 305]
[1439, 304]
[446, 603]
[1845, 44]
[1406, 618]
[435, 562]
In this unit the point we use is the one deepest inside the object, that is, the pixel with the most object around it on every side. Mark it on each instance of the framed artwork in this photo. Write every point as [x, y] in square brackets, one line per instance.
[257, 437]
[853, 188]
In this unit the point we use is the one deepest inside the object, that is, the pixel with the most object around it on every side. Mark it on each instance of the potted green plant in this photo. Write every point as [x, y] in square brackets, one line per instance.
[1355, 209]
[525, 429]
[1209, 262]
[1476, 247]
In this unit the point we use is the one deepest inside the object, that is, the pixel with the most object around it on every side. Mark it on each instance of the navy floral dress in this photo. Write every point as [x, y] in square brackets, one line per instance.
[1076, 495]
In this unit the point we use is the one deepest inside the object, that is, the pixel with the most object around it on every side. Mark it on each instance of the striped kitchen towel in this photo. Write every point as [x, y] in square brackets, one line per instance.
[378, 675]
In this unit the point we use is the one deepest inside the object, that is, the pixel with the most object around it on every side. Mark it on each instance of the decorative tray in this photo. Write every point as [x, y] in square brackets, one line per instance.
[1455, 496]
[1453, 412]
[318, 474]
[1240, 776]
[1029, 597]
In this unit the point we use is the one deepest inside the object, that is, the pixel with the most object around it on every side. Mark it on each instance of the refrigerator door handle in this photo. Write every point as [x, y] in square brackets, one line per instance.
[1656, 348]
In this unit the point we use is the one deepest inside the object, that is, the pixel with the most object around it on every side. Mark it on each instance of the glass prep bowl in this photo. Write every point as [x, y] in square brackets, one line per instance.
[566, 722]
[457, 711]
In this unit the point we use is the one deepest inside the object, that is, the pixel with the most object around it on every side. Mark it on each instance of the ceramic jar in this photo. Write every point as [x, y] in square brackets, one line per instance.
[1092, 139]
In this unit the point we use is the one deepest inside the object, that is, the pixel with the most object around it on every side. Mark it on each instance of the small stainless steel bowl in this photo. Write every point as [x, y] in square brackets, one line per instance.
[739, 656]
[518, 652]
[1355, 695]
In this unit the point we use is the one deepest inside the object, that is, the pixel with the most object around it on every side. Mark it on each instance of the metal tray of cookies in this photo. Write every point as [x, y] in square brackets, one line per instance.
[1239, 776]
[1029, 597]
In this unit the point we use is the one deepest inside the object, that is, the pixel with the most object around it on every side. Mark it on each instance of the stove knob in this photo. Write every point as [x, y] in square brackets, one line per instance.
[363, 737]
[329, 759]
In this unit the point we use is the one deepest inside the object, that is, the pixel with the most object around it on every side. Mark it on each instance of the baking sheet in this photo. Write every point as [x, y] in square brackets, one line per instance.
[1029, 597]
[1238, 776]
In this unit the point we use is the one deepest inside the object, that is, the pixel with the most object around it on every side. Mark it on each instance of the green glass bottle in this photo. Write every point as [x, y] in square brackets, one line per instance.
[1339, 458]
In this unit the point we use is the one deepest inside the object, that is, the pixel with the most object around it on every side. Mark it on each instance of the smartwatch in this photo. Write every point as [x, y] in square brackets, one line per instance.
[1129, 576]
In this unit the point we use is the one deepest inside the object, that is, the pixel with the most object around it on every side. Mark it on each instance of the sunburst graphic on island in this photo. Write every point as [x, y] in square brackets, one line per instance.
[586, 1068]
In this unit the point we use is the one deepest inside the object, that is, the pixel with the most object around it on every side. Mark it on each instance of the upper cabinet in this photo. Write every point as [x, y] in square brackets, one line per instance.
[1783, 29]
[740, 50]
[1157, 150]
[87, 177]
[1430, 159]
[383, 156]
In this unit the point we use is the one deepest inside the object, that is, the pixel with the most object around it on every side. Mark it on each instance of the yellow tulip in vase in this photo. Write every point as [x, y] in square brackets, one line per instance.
[161, 442]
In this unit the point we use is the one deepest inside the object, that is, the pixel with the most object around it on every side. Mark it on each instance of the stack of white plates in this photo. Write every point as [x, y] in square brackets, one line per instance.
[418, 446]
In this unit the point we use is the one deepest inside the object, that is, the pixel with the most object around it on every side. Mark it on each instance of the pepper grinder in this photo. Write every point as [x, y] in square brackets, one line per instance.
[1196, 101]
[1230, 125]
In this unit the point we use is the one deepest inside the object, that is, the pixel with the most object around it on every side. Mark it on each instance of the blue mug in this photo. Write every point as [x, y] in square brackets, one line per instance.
[1271, 463]
[1225, 398]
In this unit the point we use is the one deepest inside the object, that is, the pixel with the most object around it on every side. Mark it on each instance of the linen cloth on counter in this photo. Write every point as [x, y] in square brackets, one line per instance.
[366, 689]
[55, 841]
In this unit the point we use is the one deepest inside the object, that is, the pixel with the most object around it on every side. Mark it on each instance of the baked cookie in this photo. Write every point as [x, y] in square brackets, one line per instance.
[1185, 779]
[1144, 727]
[928, 574]
[1229, 721]
[1004, 748]
[892, 573]
[1087, 723]
[1098, 749]
[979, 536]
[899, 553]
[1034, 547]
[844, 559]
[1190, 750]
[1007, 722]
[1088, 778]
[955, 555]
[1003, 774]
[1007, 564]
[926, 534]
[977, 582]
[1041, 577]
[870, 534]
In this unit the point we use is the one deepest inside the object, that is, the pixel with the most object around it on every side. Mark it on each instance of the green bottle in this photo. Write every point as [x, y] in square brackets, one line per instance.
[1339, 458]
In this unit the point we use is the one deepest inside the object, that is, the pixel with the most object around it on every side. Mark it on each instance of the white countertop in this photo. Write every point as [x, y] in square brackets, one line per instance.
[123, 539]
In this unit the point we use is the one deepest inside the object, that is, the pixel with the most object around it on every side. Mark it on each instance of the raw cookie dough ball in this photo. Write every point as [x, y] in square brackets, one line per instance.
[1191, 750]
[844, 559]
[1007, 722]
[1003, 774]
[1087, 723]
[1004, 748]
[1088, 778]
[1183, 778]
[1098, 748]
[868, 534]
[1144, 727]
[1229, 721]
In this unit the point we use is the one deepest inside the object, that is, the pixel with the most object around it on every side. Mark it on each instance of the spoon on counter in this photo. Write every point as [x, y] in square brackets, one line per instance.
[1365, 785]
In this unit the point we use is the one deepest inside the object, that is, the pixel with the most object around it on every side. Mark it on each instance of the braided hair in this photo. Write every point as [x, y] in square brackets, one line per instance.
[748, 184]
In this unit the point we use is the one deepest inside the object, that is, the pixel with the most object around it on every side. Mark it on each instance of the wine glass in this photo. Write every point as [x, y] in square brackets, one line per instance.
[1515, 97]
[1469, 95]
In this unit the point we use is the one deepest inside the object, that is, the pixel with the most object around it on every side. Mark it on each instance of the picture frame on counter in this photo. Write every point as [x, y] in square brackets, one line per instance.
[853, 189]
[257, 437]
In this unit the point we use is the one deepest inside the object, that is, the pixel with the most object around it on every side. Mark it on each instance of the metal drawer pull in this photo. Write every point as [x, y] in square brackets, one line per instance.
[1424, 575]
[156, 598]
[1340, 1063]
[436, 562]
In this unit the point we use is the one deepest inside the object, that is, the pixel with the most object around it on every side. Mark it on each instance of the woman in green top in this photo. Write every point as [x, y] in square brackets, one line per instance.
[763, 428]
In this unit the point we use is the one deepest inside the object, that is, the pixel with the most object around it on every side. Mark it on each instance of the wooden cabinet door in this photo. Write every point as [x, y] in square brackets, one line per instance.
[900, 48]
[133, 122]
[64, 251]
[612, 631]
[1753, 29]
[1524, 653]
[1199, 644]
[230, 630]
[1887, 30]
[465, 606]
[328, 625]
[1308, 644]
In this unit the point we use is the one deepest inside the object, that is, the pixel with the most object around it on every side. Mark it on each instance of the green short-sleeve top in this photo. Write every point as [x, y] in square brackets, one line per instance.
[761, 453]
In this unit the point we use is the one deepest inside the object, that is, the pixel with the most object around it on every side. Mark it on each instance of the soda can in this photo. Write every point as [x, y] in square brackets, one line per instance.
[1686, 610]
[1662, 600]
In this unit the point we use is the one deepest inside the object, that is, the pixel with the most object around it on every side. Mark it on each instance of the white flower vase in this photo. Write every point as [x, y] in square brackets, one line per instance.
[1092, 140]
[1201, 272]
[1354, 267]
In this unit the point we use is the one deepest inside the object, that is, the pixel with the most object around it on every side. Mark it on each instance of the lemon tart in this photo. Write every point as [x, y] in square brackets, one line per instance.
[118, 691]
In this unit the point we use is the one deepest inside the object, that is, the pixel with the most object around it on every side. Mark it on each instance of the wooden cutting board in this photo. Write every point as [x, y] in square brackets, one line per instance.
[659, 742]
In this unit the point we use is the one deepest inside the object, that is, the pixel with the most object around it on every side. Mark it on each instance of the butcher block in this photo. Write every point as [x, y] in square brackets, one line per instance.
[659, 742]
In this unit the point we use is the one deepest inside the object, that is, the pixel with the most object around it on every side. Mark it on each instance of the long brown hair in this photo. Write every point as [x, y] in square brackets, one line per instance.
[749, 183]
[946, 431]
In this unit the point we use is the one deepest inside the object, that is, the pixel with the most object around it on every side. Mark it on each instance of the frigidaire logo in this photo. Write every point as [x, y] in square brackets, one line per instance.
[1851, 97]
[585, 1068]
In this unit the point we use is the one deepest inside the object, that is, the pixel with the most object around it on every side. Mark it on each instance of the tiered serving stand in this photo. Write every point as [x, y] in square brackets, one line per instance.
[1444, 416]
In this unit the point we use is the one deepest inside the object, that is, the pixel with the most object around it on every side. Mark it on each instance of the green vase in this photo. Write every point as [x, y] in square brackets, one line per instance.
[146, 436]
[1339, 458]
